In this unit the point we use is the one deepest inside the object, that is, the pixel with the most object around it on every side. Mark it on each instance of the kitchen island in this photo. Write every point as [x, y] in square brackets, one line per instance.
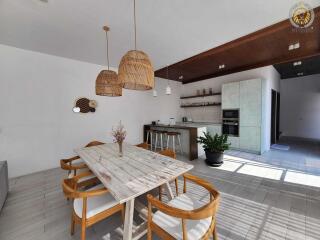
[189, 134]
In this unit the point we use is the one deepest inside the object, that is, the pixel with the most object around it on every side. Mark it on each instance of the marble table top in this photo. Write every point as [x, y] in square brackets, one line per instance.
[135, 173]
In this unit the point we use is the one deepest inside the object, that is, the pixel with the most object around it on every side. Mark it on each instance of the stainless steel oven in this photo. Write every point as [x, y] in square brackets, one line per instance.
[230, 114]
[230, 122]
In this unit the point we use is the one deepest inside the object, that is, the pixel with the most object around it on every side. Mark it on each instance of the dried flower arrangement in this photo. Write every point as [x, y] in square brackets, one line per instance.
[119, 134]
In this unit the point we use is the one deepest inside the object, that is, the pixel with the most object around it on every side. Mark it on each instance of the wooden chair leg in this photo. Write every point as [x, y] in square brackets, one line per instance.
[83, 230]
[160, 193]
[177, 189]
[72, 224]
[149, 237]
[215, 235]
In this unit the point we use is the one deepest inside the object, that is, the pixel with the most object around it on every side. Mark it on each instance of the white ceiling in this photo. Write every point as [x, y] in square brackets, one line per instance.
[168, 30]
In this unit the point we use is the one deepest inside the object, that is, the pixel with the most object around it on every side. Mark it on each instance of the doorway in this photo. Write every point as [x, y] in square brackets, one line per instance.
[275, 116]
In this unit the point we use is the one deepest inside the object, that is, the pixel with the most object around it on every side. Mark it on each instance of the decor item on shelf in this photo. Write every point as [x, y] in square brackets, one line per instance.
[168, 88]
[214, 148]
[204, 91]
[119, 134]
[135, 69]
[210, 91]
[107, 82]
[84, 105]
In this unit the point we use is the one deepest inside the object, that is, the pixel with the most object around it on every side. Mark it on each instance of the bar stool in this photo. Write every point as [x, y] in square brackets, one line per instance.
[150, 133]
[160, 134]
[173, 136]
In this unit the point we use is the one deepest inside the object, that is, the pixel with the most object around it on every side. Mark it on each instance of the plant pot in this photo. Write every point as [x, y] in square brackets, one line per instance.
[214, 159]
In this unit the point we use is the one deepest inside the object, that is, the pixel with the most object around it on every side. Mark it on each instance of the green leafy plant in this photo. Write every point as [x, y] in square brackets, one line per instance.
[214, 144]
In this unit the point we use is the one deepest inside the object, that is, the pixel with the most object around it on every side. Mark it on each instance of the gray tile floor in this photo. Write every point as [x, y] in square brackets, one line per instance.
[260, 200]
[303, 155]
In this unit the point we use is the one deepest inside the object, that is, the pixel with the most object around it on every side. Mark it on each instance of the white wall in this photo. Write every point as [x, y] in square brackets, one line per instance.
[272, 81]
[300, 107]
[37, 93]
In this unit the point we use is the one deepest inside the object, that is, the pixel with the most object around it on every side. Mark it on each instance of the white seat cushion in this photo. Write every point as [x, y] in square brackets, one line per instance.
[77, 161]
[95, 204]
[71, 175]
[195, 228]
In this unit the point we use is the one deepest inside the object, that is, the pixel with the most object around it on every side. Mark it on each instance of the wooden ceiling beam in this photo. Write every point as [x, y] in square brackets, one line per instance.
[252, 49]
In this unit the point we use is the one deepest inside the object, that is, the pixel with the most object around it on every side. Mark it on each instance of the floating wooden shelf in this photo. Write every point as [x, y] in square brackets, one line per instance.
[202, 95]
[208, 105]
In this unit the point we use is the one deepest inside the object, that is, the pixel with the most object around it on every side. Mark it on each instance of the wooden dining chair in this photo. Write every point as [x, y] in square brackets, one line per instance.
[184, 217]
[143, 145]
[74, 164]
[90, 206]
[169, 153]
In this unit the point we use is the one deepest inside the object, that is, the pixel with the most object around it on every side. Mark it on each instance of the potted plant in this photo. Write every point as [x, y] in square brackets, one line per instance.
[214, 148]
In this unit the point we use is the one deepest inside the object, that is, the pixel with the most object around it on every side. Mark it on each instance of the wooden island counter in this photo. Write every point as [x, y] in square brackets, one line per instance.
[189, 134]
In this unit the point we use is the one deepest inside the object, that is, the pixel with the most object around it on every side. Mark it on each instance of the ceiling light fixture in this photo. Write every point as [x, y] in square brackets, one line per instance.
[135, 69]
[168, 88]
[108, 83]
[222, 66]
[181, 77]
[294, 46]
[297, 63]
[154, 92]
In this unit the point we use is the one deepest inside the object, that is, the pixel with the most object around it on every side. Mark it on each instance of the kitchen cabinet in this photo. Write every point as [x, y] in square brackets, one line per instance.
[230, 95]
[250, 139]
[250, 103]
[250, 98]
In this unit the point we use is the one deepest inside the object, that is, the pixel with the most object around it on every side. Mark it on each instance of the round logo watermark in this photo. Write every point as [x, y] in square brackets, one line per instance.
[301, 15]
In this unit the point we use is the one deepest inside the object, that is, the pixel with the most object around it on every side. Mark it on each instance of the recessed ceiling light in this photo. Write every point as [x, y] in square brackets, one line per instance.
[294, 46]
[300, 74]
[222, 66]
[297, 63]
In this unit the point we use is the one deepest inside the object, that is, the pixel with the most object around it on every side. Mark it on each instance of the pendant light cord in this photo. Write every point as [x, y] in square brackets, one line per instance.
[135, 25]
[168, 75]
[107, 48]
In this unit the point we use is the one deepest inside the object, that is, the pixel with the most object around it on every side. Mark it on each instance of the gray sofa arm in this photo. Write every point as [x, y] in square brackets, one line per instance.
[4, 182]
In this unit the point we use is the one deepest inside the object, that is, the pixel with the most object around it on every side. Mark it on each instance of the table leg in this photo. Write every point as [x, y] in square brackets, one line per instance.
[169, 191]
[128, 220]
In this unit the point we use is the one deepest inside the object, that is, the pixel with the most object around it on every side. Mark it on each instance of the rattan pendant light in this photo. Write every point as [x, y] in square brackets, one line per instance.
[108, 83]
[135, 69]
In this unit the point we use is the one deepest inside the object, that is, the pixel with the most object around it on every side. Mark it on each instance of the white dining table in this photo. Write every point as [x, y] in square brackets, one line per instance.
[138, 171]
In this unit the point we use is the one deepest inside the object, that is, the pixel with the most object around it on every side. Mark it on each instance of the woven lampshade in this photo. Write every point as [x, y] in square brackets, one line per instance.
[108, 84]
[136, 71]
